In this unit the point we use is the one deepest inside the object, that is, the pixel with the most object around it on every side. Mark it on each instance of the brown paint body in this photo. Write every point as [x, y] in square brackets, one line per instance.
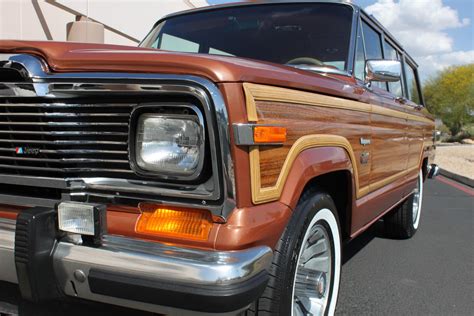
[79, 57]
[401, 136]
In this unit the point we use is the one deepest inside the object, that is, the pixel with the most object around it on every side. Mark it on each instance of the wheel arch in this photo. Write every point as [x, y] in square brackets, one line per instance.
[328, 169]
[424, 167]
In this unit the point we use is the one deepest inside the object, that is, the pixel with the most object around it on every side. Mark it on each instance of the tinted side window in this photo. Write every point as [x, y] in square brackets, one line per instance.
[410, 76]
[373, 48]
[391, 53]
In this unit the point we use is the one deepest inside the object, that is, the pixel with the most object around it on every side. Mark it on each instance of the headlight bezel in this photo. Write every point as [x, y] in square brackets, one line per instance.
[172, 111]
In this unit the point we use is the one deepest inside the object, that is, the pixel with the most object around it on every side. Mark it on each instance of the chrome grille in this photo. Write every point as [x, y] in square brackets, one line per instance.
[84, 156]
[65, 140]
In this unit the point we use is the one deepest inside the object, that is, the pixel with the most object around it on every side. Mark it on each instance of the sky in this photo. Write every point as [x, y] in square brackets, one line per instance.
[436, 33]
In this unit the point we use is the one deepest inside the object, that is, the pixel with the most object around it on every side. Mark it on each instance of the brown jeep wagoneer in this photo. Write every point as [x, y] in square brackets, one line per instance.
[218, 167]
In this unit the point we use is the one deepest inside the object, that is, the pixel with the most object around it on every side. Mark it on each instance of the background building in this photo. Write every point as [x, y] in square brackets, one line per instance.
[122, 22]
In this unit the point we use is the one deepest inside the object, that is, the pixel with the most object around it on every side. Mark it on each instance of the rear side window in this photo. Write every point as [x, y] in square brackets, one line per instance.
[392, 53]
[412, 87]
[373, 47]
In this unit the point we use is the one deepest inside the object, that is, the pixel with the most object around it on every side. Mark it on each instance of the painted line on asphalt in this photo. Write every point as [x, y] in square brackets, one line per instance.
[458, 186]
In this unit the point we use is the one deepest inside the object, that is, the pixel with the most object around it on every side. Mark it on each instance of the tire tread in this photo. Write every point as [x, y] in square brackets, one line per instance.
[269, 302]
[398, 223]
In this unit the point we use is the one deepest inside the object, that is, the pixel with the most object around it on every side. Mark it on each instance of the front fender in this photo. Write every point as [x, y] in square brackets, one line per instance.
[310, 164]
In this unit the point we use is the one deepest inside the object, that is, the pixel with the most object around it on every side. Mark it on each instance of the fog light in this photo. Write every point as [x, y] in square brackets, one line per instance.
[80, 218]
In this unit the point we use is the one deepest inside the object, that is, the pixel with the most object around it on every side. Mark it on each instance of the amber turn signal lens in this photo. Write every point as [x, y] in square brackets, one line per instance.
[175, 223]
[269, 134]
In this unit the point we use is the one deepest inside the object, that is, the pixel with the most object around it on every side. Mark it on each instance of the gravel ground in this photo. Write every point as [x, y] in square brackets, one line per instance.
[458, 159]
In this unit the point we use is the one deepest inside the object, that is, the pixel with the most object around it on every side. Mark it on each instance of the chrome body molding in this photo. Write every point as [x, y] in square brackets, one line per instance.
[158, 263]
[243, 134]
[217, 194]
[365, 141]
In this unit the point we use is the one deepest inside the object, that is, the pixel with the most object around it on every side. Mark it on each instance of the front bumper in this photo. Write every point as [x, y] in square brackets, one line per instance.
[149, 276]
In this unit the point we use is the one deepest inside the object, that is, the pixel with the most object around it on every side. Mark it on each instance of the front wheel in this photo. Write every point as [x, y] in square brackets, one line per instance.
[403, 222]
[306, 269]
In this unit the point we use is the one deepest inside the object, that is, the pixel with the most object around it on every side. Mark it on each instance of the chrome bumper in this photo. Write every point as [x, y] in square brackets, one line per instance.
[150, 276]
[7, 251]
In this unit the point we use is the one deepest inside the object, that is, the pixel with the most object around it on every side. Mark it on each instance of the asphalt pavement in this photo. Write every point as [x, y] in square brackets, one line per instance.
[430, 274]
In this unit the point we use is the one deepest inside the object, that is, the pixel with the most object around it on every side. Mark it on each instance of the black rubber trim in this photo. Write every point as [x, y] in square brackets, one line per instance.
[203, 298]
[35, 239]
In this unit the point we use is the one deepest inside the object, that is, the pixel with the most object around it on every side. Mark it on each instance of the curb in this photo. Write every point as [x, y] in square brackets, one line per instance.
[456, 177]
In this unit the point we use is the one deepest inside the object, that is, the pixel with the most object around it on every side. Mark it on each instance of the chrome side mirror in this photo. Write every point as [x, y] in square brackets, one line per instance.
[382, 70]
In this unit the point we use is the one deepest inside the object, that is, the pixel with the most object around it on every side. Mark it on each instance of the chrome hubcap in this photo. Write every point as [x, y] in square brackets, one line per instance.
[313, 274]
[416, 203]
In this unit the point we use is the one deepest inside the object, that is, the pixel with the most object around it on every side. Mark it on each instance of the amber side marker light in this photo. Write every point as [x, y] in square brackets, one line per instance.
[269, 134]
[177, 223]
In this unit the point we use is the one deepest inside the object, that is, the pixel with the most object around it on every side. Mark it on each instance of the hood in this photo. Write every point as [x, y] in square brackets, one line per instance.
[80, 57]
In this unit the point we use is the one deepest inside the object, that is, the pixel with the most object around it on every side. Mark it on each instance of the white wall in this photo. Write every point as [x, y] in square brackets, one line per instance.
[127, 21]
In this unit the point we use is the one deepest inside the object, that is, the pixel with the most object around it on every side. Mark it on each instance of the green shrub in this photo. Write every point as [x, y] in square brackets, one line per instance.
[468, 131]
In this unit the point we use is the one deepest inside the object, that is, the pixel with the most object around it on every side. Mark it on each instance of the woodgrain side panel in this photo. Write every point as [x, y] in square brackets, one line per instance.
[389, 146]
[301, 120]
[262, 195]
[255, 92]
[416, 136]
[315, 120]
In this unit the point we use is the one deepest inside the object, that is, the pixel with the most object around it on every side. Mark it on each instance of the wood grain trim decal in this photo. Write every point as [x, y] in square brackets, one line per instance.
[254, 92]
[267, 194]
[384, 182]
[250, 102]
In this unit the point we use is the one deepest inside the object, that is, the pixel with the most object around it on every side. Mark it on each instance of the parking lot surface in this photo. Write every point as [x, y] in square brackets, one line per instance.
[430, 274]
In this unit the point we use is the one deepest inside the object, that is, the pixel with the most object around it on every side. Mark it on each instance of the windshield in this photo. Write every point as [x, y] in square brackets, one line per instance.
[316, 34]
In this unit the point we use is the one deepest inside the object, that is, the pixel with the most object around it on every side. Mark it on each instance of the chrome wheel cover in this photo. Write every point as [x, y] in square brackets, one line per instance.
[313, 275]
[417, 199]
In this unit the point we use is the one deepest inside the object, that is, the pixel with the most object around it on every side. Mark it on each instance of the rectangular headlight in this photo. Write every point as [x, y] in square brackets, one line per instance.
[170, 144]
